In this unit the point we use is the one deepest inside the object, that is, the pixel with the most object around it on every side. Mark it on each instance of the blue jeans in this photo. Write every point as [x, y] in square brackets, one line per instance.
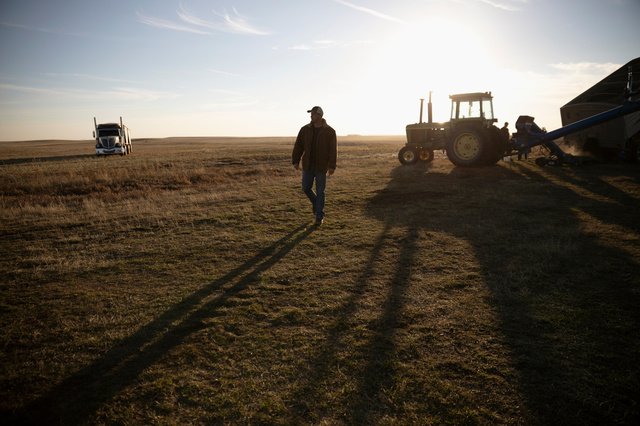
[316, 198]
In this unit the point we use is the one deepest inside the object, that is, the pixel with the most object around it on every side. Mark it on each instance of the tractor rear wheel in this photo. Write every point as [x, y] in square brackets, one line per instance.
[408, 155]
[426, 155]
[467, 148]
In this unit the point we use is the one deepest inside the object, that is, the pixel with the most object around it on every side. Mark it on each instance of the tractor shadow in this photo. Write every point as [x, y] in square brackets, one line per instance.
[565, 299]
[77, 398]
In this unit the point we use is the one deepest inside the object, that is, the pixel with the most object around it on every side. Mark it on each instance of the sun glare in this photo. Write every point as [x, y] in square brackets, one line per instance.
[443, 56]
[439, 55]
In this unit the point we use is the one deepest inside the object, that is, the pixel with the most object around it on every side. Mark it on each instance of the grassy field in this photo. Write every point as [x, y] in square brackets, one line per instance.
[186, 284]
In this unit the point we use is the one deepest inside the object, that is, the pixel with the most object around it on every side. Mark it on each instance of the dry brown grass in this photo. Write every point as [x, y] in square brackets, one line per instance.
[184, 284]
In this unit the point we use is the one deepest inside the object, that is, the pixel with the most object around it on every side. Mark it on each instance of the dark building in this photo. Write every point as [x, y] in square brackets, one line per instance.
[616, 137]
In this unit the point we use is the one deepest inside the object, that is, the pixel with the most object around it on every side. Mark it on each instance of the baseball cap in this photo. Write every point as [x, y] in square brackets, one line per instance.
[316, 109]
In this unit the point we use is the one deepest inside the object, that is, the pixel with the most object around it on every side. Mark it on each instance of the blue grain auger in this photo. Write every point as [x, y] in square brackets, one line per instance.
[529, 135]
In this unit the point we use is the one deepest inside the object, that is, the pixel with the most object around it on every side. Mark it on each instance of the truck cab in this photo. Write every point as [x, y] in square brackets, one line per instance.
[112, 138]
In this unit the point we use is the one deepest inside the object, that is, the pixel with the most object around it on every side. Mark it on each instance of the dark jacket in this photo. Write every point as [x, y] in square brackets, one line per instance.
[325, 153]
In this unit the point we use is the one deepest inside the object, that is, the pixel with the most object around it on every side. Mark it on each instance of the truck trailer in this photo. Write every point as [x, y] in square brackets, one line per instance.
[619, 137]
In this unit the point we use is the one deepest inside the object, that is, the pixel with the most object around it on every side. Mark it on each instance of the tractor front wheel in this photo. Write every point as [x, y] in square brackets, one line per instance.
[408, 155]
[466, 148]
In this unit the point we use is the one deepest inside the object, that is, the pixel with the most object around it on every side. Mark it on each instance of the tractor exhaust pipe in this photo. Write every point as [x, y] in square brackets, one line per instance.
[429, 109]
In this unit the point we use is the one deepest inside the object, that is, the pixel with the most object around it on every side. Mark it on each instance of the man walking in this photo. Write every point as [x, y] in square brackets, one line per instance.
[316, 146]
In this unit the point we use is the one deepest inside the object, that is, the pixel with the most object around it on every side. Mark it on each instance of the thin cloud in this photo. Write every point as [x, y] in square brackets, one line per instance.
[37, 29]
[564, 81]
[300, 47]
[136, 94]
[118, 93]
[230, 23]
[168, 25]
[508, 5]
[571, 79]
[587, 67]
[89, 77]
[369, 11]
[28, 89]
[239, 24]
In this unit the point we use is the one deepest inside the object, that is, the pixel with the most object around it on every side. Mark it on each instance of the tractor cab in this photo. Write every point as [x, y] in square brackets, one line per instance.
[472, 107]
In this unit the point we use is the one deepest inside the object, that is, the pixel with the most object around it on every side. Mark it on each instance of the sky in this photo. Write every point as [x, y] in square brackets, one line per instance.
[254, 67]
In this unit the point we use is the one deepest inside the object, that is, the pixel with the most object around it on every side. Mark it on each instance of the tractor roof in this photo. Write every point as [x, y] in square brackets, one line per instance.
[471, 96]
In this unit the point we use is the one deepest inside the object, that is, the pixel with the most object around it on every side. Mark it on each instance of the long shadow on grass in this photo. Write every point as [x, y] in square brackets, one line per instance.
[310, 391]
[77, 398]
[597, 185]
[598, 381]
[566, 300]
[377, 371]
[573, 358]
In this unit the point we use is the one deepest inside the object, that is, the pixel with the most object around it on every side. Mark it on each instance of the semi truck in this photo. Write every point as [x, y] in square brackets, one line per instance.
[111, 138]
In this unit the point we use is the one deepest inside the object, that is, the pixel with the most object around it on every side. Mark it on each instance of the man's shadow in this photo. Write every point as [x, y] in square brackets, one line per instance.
[561, 381]
[77, 398]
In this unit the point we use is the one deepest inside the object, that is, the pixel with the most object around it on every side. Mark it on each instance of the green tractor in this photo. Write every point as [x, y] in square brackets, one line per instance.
[470, 138]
